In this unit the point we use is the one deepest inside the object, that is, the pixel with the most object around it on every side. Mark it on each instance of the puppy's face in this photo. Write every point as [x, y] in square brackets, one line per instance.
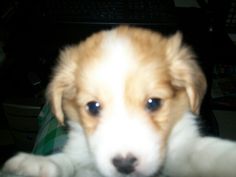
[127, 88]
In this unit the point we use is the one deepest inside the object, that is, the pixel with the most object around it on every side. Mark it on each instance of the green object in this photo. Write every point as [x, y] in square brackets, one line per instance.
[51, 136]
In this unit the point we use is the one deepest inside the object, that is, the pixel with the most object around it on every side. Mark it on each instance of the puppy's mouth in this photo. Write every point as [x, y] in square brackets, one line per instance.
[128, 167]
[138, 174]
[141, 175]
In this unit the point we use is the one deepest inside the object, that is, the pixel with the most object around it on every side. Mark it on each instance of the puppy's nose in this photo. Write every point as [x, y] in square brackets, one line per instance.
[125, 165]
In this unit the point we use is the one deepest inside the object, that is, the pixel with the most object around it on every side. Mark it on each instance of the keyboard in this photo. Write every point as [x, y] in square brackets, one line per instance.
[110, 11]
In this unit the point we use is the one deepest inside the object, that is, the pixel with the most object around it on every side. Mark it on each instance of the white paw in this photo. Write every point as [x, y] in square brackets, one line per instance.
[31, 165]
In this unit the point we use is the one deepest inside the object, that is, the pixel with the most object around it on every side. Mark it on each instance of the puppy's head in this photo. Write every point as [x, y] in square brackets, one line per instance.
[127, 88]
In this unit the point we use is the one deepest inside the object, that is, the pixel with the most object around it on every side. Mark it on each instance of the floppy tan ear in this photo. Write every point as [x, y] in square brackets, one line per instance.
[185, 71]
[62, 84]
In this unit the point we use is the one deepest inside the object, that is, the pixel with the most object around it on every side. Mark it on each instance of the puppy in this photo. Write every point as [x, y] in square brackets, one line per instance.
[132, 98]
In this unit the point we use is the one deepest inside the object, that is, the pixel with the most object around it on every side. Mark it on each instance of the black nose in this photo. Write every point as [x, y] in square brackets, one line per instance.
[125, 165]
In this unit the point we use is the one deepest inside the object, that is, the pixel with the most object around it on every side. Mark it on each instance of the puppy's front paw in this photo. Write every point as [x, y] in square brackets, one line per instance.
[31, 165]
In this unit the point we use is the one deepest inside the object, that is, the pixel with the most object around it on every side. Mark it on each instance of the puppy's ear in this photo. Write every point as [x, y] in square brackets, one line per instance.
[185, 72]
[62, 84]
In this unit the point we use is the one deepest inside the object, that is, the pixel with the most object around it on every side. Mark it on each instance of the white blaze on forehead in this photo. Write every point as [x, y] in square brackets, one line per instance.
[118, 50]
[117, 60]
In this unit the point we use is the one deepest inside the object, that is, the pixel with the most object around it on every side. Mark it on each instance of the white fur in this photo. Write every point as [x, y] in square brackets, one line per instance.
[131, 134]
[190, 155]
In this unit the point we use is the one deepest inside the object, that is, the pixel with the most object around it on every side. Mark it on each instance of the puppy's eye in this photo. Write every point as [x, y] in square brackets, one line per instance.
[153, 104]
[93, 108]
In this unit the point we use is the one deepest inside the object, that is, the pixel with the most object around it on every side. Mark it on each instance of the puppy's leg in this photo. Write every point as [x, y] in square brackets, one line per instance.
[57, 165]
[74, 160]
[190, 155]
